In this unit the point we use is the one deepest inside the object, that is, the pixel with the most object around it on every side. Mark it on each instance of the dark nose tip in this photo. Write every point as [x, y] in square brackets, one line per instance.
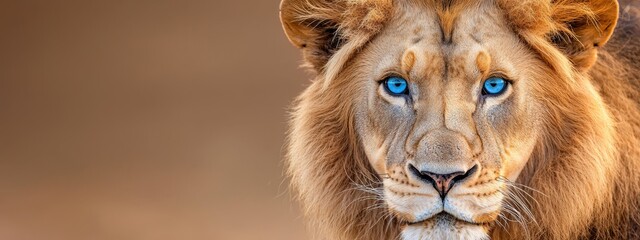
[442, 182]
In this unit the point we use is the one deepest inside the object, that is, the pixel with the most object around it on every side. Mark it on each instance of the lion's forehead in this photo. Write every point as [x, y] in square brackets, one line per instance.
[436, 45]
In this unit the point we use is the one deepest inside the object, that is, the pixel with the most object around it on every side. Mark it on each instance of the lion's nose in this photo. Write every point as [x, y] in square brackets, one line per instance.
[442, 182]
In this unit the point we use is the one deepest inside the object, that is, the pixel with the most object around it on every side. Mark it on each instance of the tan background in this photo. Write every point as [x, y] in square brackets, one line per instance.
[145, 119]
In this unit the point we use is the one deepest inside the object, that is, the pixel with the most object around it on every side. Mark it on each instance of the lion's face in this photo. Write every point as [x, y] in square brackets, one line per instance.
[447, 119]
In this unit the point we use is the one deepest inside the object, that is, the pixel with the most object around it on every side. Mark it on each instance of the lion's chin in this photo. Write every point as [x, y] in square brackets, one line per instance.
[444, 226]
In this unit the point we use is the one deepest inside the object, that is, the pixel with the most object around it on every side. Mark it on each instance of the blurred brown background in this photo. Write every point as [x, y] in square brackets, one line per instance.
[145, 119]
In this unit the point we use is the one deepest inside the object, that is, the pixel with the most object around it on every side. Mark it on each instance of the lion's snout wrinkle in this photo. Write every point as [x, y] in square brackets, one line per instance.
[443, 151]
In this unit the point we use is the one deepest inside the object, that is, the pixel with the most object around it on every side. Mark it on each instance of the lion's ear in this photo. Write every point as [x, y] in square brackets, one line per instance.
[581, 27]
[321, 27]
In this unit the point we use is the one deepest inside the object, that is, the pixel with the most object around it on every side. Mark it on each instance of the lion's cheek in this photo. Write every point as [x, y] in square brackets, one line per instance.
[516, 157]
[511, 134]
[514, 165]
[376, 150]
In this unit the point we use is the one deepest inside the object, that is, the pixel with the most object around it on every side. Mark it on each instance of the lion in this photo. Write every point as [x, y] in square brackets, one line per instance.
[467, 119]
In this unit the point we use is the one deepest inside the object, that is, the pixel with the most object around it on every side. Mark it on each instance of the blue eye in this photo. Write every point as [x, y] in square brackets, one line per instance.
[396, 85]
[494, 86]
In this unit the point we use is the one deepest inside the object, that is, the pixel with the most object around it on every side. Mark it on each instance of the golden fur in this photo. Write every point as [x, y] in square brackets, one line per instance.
[582, 177]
